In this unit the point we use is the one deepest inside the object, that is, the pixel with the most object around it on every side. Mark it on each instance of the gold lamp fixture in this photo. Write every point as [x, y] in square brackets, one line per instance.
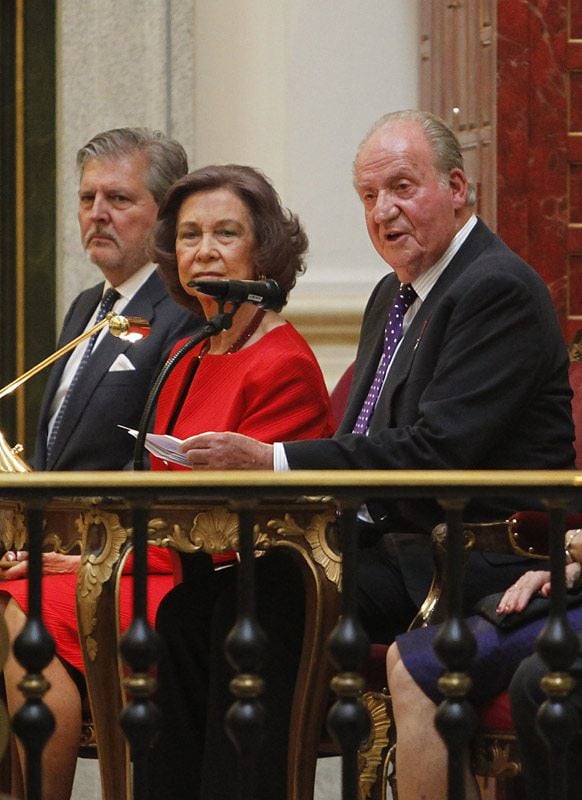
[128, 328]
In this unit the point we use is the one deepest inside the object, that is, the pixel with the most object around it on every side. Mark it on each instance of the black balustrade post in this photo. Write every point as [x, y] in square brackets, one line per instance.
[244, 647]
[34, 648]
[348, 721]
[557, 646]
[139, 648]
[455, 719]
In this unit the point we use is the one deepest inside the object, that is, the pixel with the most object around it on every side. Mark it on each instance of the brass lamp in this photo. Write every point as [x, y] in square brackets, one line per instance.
[132, 328]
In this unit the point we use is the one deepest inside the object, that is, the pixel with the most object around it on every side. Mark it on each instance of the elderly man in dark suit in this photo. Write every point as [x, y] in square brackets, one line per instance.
[471, 374]
[461, 365]
[123, 176]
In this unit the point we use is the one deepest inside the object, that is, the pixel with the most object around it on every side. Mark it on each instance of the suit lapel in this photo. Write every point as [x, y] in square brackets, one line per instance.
[479, 238]
[110, 347]
[74, 325]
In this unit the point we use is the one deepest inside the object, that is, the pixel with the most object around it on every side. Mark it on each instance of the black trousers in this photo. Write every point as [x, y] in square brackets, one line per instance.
[526, 697]
[193, 757]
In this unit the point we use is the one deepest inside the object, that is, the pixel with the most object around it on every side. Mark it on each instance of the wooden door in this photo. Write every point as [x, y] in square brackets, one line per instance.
[507, 76]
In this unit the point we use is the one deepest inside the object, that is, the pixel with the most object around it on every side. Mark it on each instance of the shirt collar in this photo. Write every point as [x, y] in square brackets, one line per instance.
[425, 282]
[131, 286]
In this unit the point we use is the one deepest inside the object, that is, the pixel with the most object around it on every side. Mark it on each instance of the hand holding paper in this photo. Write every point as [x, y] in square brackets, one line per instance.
[162, 445]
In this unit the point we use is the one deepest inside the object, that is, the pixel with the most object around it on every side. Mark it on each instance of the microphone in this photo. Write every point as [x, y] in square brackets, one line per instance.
[267, 293]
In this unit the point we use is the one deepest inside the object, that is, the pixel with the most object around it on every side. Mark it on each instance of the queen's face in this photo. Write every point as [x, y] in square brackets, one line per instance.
[214, 239]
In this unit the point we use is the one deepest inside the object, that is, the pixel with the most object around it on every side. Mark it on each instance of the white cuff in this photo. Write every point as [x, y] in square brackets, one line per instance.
[280, 463]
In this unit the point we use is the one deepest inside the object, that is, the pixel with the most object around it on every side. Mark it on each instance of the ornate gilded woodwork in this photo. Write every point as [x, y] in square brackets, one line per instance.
[102, 541]
[376, 754]
[100, 529]
[495, 755]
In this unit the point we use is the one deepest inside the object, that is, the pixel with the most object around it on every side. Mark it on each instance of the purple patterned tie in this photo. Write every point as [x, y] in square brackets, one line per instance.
[392, 335]
[107, 304]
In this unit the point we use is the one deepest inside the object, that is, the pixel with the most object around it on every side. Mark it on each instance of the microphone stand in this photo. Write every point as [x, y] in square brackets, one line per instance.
[219, 322]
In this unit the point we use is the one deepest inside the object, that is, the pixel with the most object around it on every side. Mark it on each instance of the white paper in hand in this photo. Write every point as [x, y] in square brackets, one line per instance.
[161, 445]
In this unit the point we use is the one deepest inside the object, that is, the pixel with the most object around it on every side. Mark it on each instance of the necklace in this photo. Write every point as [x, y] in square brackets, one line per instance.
[242, 339]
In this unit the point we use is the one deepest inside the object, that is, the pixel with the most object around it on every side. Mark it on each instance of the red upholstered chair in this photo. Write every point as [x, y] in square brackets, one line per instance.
[340, 392]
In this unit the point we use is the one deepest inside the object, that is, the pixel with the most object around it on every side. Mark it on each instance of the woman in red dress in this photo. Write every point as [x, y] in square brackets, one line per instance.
[258, 378]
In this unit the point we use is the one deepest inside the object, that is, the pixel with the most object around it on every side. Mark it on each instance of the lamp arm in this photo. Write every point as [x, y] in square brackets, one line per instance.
[118, 325]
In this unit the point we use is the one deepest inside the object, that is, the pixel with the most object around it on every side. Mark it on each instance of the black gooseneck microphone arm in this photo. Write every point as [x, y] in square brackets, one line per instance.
[219, 322]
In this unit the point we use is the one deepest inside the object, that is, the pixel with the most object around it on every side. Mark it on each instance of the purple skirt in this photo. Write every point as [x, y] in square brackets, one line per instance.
[499, 653]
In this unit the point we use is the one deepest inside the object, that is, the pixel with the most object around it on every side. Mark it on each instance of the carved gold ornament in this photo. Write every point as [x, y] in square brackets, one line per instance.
[213, 530]
[103, 538]
[316, 537]
[13, 532]
[372, 755]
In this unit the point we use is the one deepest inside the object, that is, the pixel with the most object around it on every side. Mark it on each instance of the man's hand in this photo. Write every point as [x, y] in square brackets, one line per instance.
[219, 451]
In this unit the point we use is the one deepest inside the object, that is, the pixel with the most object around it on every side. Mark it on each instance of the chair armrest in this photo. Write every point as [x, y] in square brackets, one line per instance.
[525, 533]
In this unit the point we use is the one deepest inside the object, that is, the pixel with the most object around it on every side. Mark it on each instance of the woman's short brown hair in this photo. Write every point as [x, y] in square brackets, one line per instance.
[280, 241]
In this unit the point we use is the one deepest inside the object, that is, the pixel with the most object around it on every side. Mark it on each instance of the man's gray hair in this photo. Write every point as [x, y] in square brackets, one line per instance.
[167, 158]
[445, 145]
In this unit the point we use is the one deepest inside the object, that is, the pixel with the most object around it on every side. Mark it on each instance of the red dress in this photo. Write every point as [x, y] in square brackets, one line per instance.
[272, 390]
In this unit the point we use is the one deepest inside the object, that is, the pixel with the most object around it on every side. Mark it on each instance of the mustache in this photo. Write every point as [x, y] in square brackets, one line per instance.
[102, 234]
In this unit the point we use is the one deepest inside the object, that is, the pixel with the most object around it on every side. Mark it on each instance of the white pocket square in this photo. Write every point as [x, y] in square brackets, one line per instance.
[121, 364]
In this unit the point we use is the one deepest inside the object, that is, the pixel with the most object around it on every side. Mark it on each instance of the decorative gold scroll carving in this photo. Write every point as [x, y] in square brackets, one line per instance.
[372, 755]
[316, 536]
[13, 532]
[103, 538]
[214, 530]
[495, 755]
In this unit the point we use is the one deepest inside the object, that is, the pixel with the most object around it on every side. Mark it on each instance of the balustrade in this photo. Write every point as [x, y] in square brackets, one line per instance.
[106, 513]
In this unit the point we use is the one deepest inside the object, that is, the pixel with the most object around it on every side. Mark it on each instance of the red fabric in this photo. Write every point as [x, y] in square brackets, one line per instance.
[341, 390]
[59, 601]
[272, 391]
[497, 714]
[576, 384]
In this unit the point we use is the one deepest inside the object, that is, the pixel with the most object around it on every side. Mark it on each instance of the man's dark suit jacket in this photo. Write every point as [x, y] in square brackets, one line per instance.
[89, 437]
[480, 382]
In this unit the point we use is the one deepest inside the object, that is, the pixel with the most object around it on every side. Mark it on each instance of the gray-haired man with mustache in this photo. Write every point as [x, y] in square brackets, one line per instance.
[123, 176]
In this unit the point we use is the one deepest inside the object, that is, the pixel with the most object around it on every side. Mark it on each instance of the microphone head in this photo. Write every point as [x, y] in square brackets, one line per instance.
[218, 289]
[267, 294]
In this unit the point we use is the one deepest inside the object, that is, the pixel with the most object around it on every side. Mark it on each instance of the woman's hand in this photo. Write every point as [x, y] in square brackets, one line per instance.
[14, 565]
[219, 451]
[520, 593]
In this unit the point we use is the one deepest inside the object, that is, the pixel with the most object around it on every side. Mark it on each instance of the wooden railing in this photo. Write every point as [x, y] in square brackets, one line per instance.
[269, 510]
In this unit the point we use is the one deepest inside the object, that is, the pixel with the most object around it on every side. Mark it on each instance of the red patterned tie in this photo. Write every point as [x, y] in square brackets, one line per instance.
[392, 335]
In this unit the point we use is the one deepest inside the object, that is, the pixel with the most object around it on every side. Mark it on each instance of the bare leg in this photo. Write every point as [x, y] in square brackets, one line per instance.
[421, 755]
[61, 751]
